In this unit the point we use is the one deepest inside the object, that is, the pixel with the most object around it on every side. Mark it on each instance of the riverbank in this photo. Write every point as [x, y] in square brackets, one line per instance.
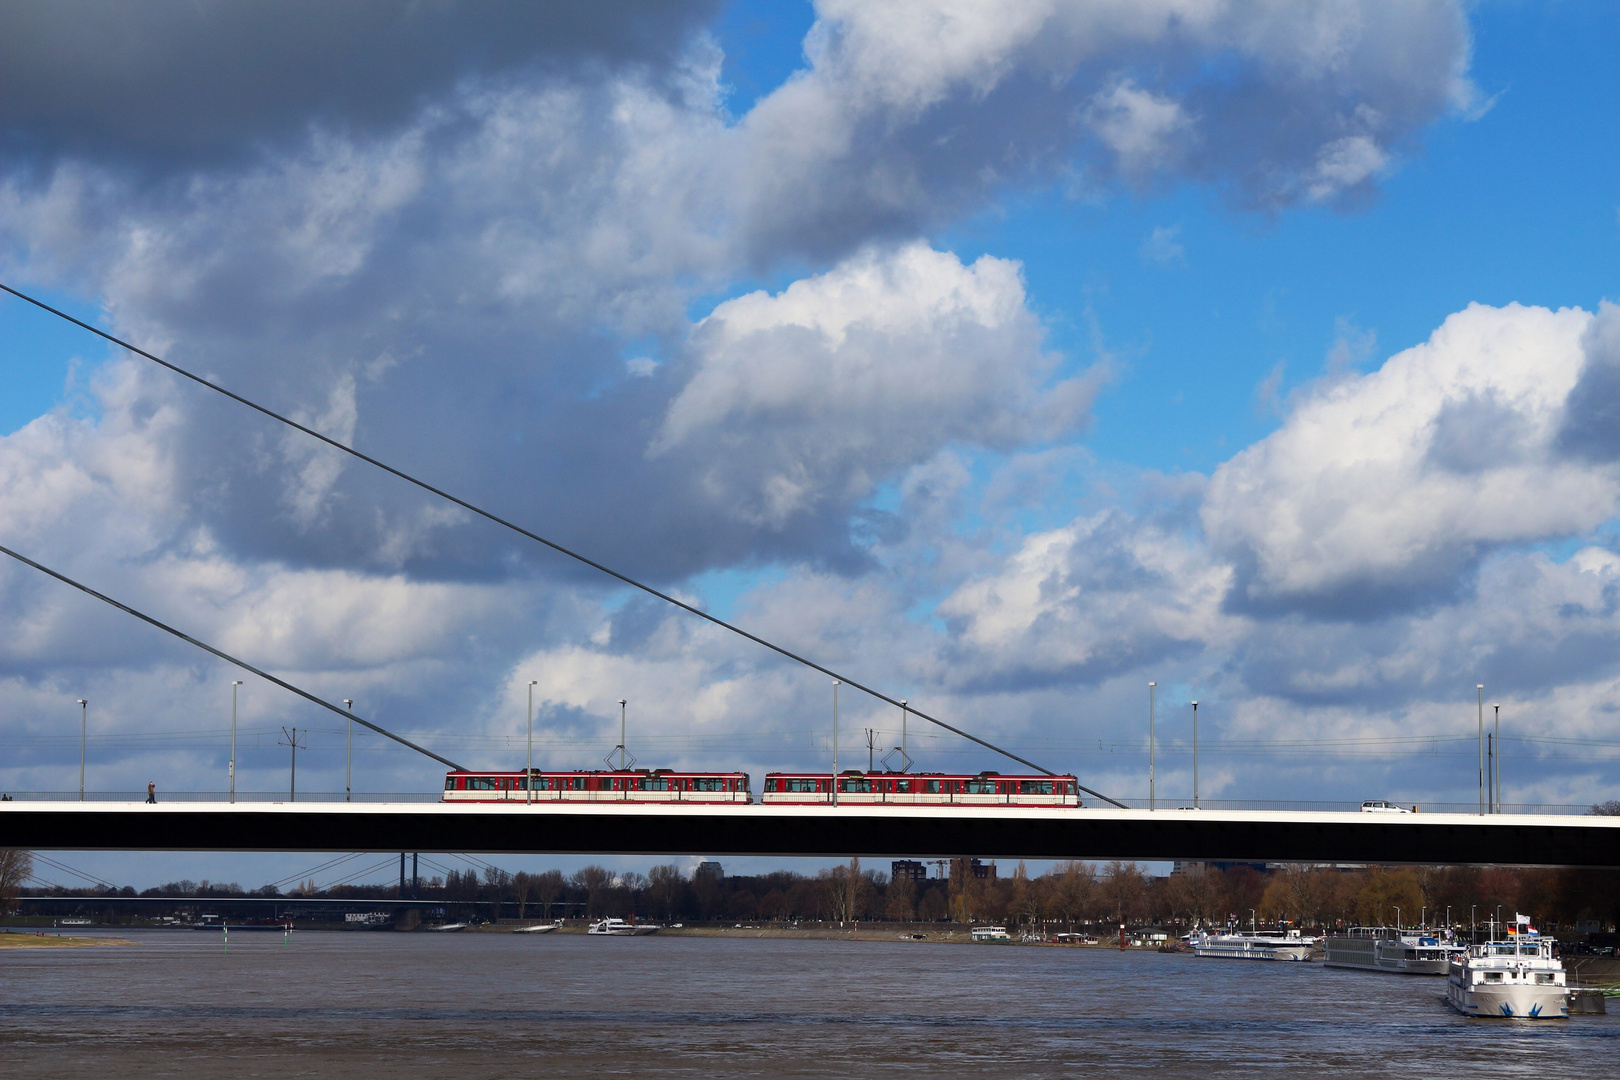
[14, 940]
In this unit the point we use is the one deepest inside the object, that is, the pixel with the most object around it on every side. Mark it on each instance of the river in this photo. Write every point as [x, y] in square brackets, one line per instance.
[375, 1005]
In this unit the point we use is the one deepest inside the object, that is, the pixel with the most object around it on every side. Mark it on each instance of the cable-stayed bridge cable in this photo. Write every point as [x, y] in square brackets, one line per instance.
[228, 658]
[537, 538]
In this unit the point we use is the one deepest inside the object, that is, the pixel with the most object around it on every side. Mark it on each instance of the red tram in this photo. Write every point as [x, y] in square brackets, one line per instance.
[856, 788]
[597, 786]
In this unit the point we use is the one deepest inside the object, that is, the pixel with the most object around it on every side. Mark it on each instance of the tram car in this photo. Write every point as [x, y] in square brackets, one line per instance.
[856, 788]
[597, 786]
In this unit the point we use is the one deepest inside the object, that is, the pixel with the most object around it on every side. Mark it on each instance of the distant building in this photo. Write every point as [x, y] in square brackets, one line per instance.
[1181, 867]
[913, 869]
[976, 868]
[708, 868]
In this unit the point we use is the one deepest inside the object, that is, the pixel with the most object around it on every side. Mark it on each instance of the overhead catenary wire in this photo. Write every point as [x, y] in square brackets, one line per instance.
[312, 871]
[536, 537]
[65, 868]
[228, 658]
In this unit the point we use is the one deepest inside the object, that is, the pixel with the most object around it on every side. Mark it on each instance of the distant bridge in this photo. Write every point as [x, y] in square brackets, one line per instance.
[1022, 832]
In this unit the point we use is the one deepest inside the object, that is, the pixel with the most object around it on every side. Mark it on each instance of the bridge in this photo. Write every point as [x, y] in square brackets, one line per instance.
[836, 832]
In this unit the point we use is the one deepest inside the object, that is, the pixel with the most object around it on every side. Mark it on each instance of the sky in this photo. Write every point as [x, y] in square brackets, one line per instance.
[1007, 357]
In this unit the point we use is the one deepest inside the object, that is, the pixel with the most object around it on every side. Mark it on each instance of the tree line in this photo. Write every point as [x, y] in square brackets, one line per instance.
[1071, 893]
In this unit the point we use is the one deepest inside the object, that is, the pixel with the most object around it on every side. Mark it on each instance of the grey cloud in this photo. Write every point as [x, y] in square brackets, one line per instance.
[1526, 627]
[177, 81]
[1591, 425]
[903, 123]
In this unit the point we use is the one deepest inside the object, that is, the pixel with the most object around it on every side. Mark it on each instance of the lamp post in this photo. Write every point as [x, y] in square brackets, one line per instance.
[348, 755]
[1397, 908]
[234, 684]
[84, 728]
[1496, 781]
[1152, 687]
[905, 709]
[1481, 688]
[622, 748]
[1195, 755]
[528, 776]
[835, 744]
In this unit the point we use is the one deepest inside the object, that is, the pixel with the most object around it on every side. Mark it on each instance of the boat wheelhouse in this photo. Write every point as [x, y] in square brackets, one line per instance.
[856, 788]
[622, 786]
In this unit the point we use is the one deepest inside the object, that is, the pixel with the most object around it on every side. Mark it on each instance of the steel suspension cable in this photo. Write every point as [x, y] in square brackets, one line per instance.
[228, 658]
[537, 538]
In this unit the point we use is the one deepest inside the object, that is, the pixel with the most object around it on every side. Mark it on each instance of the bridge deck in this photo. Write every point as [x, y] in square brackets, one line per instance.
[1011, 832]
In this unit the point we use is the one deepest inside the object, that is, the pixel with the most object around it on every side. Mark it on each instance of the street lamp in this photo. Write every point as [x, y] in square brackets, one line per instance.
[528, 776]
[1195, 755]
[1481, 688]
[1151, 688]
[1496, 781]
[623, 749]
[835, 744]
[83, 735]
[1397, 908]
[234, 684]
[905, 709]
[348, 756]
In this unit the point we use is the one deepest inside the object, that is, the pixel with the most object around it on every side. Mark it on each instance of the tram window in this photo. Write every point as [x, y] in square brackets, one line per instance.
[576, 782]
[449, 783]
[981, 787]
[1035, 787]
[931, 787]
[804, 783]
[480, 783]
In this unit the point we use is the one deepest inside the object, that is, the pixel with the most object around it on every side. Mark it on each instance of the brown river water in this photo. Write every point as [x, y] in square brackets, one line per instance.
[384, 1005]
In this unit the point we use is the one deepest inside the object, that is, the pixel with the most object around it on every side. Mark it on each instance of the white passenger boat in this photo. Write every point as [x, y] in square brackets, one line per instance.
[1254, 946]
[620, 928]
[1386, 948]
[1518, 979]
[991, 933]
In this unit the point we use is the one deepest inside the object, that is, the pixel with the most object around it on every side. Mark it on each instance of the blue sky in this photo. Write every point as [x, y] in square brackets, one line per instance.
[1008, 362]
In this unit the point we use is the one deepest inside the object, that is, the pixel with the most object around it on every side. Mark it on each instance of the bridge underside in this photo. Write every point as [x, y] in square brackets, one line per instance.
[1507, 839]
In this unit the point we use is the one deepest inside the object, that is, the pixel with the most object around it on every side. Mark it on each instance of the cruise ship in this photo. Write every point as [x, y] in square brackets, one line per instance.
[1254, 946]
[1518, 979]
[1391, 949]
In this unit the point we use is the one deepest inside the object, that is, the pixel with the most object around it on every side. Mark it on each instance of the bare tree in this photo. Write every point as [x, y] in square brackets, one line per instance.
[595, 880]
[16, 867]
[547, 888]
[664, 884]
[902, 900]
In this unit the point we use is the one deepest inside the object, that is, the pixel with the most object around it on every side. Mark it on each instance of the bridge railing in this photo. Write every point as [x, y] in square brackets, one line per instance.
[1278, 805]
